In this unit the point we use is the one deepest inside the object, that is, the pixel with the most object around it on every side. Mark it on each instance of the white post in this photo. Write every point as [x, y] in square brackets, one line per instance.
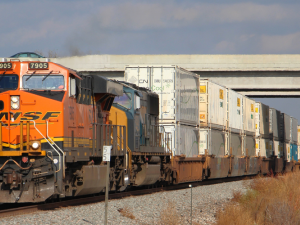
[106, 158]
[191, 203]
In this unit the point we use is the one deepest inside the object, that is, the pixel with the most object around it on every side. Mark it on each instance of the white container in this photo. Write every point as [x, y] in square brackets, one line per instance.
[214, 141]
[278, 148]
[213, 105]
[264, 147]
[294, 130]
[185, 139]
[178, 91]
[248, 115]
[235, 116]
[261, 120]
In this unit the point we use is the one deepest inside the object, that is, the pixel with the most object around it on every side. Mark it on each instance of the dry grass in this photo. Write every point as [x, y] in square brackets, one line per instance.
[169, 215]
[273, 200]
[126, 212]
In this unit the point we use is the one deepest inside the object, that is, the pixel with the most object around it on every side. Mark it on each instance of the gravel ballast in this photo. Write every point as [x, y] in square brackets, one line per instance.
[148, 209]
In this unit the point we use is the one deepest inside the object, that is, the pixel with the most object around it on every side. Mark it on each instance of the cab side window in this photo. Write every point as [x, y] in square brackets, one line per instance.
[72, 87]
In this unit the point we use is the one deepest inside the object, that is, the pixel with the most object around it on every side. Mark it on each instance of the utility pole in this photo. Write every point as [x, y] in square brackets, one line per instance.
[106, 158]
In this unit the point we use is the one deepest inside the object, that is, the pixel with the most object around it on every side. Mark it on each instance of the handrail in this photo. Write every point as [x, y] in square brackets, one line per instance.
[63, 154]
[48, 143]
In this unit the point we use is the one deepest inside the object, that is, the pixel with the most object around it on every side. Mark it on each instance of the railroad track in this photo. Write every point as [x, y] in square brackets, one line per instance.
[12, 210]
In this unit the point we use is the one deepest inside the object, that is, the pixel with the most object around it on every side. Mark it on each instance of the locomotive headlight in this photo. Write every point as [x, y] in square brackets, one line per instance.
[14, 106]
[35, 145]
[14, 99]
[15, 102]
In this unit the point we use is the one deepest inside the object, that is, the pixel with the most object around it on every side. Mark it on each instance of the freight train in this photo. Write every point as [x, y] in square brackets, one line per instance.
[55, 121]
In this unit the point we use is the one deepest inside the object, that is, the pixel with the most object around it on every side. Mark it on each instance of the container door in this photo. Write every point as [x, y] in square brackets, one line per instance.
[257, 120]
[257, 146]
[187, 140]
[163, 83]
[187, 96]
[204, 141]
[287, 127]
[264, 120]
[263, 147]
[217, 105]
[271, 148]
[203, 104]
[280, 150]
[276, 148]
[248, 114]
[171, 129]
[295, 147]
[271, 121]
[294, 129]
[287, 152]
[235, 110]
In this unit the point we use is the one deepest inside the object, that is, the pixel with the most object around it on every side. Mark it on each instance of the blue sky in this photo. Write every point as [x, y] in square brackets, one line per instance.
[150, 27]
[153, 27]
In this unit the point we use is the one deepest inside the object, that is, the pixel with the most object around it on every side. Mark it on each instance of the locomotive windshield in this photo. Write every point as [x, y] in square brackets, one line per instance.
[8, 82]
[124, 100]
[43, 82]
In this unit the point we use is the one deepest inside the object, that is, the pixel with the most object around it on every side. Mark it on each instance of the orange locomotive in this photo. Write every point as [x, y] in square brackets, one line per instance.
[54, 123]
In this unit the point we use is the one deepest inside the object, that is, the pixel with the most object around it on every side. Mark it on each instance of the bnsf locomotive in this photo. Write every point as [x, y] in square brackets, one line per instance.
[54, 124]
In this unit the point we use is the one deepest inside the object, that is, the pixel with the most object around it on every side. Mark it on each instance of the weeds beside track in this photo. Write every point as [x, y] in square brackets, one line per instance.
[275, 200]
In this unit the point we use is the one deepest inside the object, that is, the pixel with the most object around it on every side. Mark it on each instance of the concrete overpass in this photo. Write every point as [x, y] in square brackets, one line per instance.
[252, 75]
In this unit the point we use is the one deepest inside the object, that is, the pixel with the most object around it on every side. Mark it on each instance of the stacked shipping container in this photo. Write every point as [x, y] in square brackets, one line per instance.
[235, 122]
[178, 91]
[213, 119]
[248, 126]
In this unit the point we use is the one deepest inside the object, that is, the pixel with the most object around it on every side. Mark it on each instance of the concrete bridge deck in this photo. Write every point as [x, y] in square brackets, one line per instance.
[253, 75]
